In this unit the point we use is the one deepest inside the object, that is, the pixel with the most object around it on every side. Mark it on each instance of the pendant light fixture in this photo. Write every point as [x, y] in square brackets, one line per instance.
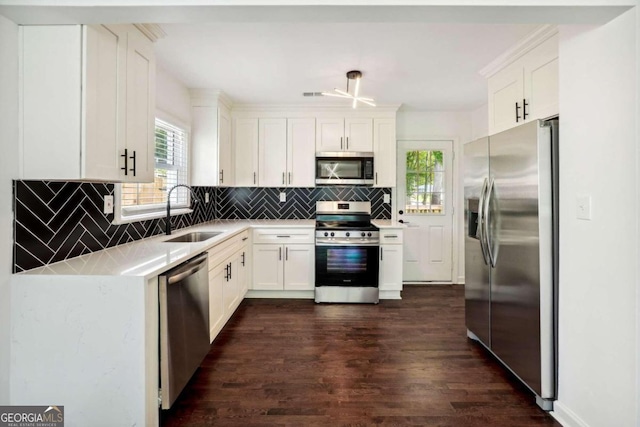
[352, 75]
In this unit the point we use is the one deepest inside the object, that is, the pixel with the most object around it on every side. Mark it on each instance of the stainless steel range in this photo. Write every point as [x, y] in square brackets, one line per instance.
[346, 253]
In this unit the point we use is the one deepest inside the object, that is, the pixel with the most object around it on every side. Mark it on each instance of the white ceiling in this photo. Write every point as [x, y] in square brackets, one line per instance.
[419, 65]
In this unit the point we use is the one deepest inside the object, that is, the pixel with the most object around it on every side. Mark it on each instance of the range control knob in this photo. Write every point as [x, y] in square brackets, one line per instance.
[333, 234]
[362, 234]
[348, 234]
[369, 234]
[326, 234]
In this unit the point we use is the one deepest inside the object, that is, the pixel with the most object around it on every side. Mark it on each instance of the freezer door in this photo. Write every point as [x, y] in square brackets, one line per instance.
[518, 199]
[477, 290]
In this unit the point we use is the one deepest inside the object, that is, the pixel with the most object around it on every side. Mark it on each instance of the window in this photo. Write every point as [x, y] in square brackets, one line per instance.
[142, 201]
[425, 182]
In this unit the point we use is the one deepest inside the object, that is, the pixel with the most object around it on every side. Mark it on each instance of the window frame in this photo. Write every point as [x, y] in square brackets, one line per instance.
[155, 211]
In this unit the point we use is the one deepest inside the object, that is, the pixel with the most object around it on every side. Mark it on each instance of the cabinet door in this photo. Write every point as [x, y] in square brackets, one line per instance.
[506, 88]
[384, 152]
[299, 267]
[541, 80]
[225, 160]
[140, 107]
[301, 142]
[244, 272]
[216, 300]
[272, 152]
[358, 134]
[268, 270]
[390, 268]
[105, 56]
[204, 146]
[329, 134]
[245, 141]
[231, 290]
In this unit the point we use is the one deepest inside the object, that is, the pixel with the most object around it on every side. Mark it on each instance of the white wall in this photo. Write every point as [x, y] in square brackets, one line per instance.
[172, 97]
[480, 122]
[8, 170]
[443, 125]
[598, 258]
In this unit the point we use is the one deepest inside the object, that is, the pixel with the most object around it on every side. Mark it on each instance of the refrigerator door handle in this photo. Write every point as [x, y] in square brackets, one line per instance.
[485, 223]
[479, 233]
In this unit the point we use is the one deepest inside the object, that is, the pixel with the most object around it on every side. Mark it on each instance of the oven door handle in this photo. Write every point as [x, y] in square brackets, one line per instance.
[350, 244]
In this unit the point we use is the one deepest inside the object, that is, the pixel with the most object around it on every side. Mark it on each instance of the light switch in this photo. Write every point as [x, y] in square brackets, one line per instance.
[386, 198]
[108, 204]
[283, 197]
[583, 207]
[206, 197]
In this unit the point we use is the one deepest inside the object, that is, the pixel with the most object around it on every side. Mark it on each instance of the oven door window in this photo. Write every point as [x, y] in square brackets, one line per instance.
[338, 169]
[346, 265]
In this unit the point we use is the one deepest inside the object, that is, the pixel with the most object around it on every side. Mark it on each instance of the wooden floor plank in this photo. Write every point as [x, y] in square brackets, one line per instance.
[408, 362]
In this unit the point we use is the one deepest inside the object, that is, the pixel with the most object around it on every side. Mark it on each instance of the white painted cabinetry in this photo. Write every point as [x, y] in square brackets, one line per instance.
[272, 152]
[245, 141]
[390, 276]
[228, 280]
[384, 152]
[527, 88]
[283, 259]
[87, 103]
[344, 134]
[211, 149]
[301, 141]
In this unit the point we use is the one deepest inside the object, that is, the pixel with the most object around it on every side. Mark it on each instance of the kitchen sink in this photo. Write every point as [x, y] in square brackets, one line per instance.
[196, 236]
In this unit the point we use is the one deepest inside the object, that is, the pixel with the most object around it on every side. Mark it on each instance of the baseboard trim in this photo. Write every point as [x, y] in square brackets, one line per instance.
[428, 283]
[280, 294]
[566, 416]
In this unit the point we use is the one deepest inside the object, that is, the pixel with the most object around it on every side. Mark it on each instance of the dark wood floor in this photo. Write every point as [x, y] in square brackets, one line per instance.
[295, 363]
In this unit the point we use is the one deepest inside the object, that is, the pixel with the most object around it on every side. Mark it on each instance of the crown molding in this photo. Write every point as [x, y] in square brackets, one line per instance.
[209, 98]
[333, 108]
[154, 32]
[520, 49]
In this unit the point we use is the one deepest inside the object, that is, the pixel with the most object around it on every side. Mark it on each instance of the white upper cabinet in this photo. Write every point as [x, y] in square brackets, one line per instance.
[526, 89]
[87, 103]
[301, 142]
[245, 137]
[272, 152]
[211, 149]
[384, 152]
[344, 134]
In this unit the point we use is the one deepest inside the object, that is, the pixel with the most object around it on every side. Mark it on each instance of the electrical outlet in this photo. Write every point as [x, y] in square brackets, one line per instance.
[206, 197]
[283, 197]
[386, 198]
[108, 204]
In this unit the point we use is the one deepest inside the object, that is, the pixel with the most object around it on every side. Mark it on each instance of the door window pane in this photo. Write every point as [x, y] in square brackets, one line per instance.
[425, 182]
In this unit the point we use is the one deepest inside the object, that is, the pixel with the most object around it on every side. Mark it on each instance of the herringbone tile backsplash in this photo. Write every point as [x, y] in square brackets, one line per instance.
[55, 221]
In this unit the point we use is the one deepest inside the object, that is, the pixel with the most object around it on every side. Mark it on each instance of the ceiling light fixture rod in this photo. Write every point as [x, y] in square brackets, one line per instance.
[352, 75]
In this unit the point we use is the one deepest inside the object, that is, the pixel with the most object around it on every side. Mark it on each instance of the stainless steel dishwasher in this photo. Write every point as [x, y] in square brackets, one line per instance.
[184, 325]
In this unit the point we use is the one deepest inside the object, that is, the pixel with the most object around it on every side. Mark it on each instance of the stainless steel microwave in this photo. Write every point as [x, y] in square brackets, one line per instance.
[344, 168]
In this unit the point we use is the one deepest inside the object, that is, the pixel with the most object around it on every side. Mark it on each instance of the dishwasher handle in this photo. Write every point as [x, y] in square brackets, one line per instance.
[190, 267]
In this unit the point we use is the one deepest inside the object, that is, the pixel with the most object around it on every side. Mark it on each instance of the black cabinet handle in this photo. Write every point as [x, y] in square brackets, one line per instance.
[289, 177]
[347, 143]
[126, 159]
[517, 112]
[381, 252]
[254, 177]
[134, 163]
[341, 143]
[525, 104]
[221, 176]
[286, 254]
[229, 271]
[376, 178]
[226, 272]
[282, 178]
[243, 259]
[279, 254]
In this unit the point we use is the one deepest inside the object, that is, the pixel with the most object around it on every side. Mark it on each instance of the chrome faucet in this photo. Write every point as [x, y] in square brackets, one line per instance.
[168, 220]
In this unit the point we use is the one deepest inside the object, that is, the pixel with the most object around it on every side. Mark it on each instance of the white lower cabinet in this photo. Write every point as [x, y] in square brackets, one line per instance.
[228, 280]
[390, 276]
[279, 266]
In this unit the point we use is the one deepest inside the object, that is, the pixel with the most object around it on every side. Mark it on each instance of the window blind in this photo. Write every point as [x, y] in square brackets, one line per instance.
[170, 169]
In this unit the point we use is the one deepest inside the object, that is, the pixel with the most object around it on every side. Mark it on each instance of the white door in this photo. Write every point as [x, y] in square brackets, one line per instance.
[272, 152]
[268, 268]
[301, 143]
[506, 88]
[299, 267]
[425, 204]
[390, 267]
[329, 134]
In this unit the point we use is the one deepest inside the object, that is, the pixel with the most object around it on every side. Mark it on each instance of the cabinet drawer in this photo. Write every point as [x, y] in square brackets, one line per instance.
[224, 250]
[284, 235]
[390, 237]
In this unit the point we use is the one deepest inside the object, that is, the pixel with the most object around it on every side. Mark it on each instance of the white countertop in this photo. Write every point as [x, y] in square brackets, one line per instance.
[152, 256]
[387, 223]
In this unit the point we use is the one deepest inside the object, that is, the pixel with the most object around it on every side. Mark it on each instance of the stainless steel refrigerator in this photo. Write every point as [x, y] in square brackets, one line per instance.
[511, 247]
